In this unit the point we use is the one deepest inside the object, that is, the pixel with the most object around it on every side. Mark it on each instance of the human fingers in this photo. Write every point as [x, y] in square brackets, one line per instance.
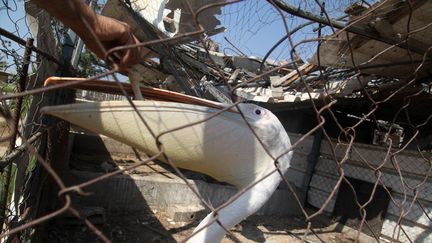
[132, 55]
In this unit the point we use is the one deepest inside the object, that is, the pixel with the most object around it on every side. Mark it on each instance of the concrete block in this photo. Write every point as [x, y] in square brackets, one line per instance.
[185, 213]
[156, 192]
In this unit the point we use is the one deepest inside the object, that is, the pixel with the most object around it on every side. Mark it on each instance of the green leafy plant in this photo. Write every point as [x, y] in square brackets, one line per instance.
[90, 65]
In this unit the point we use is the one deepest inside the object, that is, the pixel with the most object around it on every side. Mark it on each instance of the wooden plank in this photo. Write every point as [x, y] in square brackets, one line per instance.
[293, 75]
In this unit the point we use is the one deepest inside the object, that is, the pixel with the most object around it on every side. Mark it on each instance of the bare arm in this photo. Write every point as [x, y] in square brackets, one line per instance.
[91, 27]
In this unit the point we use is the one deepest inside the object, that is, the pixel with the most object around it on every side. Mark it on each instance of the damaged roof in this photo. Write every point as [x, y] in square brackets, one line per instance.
[396, 19]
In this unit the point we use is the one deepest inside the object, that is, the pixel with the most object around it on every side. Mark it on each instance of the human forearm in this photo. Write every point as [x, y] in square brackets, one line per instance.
[75, 14]
[99, 33]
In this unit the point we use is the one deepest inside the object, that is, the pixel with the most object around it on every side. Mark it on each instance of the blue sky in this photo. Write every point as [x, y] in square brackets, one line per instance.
[252, 25]
[255, 25]
[12, 19]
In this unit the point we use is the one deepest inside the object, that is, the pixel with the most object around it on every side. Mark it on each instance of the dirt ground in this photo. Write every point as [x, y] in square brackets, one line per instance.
[156, 226]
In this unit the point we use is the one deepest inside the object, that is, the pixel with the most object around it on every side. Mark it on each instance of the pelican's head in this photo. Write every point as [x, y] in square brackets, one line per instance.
[269, 130]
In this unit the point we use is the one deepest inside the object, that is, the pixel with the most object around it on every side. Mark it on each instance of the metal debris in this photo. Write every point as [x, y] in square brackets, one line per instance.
[198, 67]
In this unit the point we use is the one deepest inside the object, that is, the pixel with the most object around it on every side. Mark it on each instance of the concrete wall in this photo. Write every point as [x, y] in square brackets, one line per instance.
[138, 192]
[413, 169]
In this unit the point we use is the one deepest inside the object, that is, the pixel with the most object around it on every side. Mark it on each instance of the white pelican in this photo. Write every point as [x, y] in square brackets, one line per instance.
[223, 147]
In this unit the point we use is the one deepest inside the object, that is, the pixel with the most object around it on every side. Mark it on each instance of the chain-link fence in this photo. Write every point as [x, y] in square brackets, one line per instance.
[349, 83]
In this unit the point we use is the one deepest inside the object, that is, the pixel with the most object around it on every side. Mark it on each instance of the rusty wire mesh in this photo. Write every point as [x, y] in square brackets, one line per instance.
[392, 166]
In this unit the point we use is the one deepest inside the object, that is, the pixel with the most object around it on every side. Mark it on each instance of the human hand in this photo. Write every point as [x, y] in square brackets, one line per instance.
[114, 33]
[98, 32]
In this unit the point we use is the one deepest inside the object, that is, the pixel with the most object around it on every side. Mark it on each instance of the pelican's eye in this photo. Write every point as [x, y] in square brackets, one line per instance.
[258, 111]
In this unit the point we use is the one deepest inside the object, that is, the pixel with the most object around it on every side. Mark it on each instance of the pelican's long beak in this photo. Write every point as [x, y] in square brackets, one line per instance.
[112, 87]
[196, 137]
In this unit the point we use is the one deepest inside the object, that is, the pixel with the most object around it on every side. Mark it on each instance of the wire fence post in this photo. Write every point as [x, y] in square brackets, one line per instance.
[16, 118]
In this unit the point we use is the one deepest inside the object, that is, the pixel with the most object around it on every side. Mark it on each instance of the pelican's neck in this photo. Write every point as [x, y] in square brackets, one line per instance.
[248, 203]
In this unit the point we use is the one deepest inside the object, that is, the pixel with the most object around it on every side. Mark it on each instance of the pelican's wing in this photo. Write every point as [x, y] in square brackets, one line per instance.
[222, 146]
